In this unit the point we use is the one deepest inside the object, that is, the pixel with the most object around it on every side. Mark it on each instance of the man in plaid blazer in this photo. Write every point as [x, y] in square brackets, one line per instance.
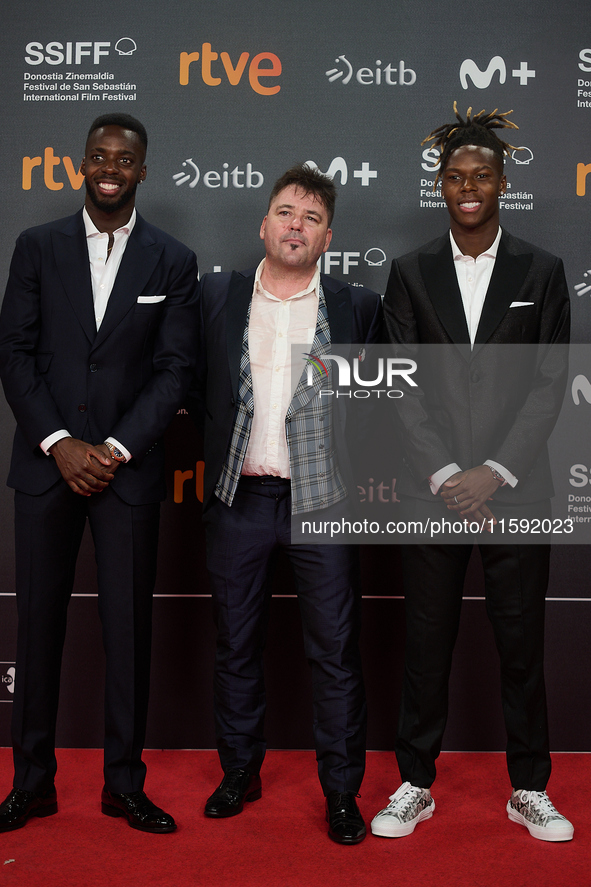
[270, 453]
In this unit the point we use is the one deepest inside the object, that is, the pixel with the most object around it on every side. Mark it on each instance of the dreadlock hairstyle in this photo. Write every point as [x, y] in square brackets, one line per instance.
[476, 129]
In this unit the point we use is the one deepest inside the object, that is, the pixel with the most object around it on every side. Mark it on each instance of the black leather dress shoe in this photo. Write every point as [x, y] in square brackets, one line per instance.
[228, 799]
[20, 805]
[345, 822]
[141, 813]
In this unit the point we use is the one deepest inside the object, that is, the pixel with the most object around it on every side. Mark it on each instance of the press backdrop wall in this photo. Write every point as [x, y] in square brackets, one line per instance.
[232, 93]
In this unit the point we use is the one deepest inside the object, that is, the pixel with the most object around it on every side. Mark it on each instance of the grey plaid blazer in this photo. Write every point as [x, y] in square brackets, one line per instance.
[221, 401]
[316, 481]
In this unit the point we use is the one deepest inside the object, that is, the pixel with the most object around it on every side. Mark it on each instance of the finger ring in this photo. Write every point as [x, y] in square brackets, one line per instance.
[456, 498]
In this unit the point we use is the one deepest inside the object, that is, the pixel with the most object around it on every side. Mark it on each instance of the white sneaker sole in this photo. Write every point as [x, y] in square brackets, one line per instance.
[555, 833]
[384, 829]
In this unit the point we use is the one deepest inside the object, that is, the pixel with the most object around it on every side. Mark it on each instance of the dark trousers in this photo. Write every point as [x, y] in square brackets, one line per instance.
[516, 579]
[241, 542]
[48, 534]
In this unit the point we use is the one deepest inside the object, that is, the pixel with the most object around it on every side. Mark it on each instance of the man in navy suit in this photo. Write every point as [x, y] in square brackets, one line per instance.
[491, 299]
[272, 452]
[97, 337]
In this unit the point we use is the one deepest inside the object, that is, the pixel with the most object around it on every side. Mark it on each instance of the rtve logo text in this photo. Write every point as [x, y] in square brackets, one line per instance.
[46, 165]
[583, 170]
[215, 68]
[482, 79]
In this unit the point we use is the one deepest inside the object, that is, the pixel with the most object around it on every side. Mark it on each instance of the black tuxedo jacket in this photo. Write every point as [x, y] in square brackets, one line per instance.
[354, 316]
[495, 401]
[126, 380]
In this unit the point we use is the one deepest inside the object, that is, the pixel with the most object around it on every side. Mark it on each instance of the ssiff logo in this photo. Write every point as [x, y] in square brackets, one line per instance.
[521, 156]
[483, 78]
[56, 53]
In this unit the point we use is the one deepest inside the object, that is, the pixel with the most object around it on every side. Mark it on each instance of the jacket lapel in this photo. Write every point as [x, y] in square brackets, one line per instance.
[237, 312]
[321, 345]
[140, 258]
[507, 279]
[441, 282]
[71, 258]
[339, 310]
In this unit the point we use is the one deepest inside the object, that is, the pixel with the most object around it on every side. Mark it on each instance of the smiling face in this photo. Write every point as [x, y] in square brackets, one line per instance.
[295, 230]
[113, 165]
[472, 183]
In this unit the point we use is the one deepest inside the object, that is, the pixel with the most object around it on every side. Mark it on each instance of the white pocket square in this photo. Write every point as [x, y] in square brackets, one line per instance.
[146, 300]
[520, 304]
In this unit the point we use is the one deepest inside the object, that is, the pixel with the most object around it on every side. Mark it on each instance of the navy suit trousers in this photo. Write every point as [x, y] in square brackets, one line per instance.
[48, 534]
[241, 543]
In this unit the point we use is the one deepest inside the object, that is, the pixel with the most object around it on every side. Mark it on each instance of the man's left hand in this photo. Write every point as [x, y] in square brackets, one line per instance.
[104, 449]
[467, 491]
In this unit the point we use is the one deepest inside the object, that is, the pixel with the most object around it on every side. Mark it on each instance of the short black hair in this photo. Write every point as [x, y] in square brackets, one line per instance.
[125, 121]
[476, 129]
[310, 180]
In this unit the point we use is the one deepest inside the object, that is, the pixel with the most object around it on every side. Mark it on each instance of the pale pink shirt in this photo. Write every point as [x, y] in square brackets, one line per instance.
[473, 280]
[275, 325]
[103, 274]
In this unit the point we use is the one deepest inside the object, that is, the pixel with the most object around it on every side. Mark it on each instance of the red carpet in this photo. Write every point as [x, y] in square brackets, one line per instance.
[281, 840]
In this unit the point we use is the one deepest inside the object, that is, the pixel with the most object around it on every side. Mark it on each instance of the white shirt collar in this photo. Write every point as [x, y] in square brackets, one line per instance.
[313, 286]
[491, 251]
[92, 230]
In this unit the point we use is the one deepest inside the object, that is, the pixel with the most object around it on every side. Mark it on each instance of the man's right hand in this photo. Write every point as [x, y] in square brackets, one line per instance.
[77, 462]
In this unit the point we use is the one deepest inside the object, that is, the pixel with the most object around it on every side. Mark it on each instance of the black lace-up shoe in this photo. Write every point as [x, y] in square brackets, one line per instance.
[20, 805]
[141, 813]
[228, 799]
[345, 822]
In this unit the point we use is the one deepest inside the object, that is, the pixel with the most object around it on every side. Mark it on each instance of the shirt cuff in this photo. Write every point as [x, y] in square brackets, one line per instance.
[48, 442]
[509, 478]
[436, 480]
[120, 447]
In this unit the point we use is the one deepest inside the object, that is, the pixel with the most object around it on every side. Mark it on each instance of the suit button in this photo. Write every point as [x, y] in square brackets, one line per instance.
[475, 377]
[81, 407]
[93, 368]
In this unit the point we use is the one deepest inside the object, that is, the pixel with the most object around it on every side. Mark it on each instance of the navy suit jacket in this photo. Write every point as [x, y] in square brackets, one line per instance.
[497, 403]
[354, 316]
[126, 380]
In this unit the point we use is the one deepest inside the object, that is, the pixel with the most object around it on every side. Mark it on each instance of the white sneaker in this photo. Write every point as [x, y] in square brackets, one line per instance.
[408, 806]
[538, 814]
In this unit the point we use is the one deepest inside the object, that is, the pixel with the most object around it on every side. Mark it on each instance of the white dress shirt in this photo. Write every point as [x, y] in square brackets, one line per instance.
[103, 271]
[473, 280]
[275, 325]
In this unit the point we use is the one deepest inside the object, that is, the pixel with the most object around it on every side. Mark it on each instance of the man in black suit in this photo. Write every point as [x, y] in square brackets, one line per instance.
[474, 290]
[270, 453]
[97, 337]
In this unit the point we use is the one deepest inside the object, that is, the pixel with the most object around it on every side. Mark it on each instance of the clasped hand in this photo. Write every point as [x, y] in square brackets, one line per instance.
[85, 468]
[468, 492]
